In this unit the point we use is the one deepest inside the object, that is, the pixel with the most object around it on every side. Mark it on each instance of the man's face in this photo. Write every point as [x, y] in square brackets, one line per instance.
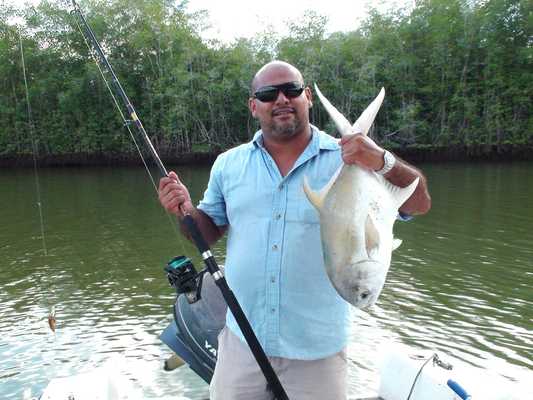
[284, 117]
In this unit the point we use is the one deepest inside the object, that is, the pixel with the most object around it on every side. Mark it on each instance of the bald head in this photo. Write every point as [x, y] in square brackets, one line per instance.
[264, 76]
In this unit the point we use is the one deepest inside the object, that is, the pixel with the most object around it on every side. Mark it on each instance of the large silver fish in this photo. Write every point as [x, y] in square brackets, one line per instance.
[357, 209]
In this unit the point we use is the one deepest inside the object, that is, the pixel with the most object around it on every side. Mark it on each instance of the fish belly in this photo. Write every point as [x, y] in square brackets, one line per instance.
[343, 219]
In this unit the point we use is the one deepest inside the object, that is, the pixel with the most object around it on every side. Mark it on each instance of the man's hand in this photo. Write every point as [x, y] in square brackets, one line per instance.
[363, 151]
[173, 195]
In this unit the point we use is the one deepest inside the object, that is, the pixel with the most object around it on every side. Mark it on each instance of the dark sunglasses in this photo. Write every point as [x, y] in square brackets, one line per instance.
[267, 94]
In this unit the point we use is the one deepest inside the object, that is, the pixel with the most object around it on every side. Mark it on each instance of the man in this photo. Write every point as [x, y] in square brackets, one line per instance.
[274, 259]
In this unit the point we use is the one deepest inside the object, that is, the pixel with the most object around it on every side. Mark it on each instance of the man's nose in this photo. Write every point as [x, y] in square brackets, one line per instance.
[282, 99]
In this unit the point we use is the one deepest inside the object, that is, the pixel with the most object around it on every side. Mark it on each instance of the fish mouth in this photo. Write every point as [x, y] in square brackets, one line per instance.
[366, 261]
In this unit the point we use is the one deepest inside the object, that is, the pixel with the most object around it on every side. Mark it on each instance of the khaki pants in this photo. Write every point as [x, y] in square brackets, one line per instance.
[238, 377]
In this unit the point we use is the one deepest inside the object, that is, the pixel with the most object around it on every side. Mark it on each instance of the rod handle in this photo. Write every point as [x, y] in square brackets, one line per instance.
[196, 235]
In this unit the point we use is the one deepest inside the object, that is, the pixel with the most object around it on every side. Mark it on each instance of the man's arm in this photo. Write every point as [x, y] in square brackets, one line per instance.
[210, 231]
[402, 174]
[174, 197]
[363, 151]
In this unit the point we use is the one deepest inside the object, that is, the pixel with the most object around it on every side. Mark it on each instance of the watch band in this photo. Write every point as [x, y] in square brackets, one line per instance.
[388, 163]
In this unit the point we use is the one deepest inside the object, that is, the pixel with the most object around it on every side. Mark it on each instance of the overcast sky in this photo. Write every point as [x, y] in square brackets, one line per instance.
[237, 18]
[245, 18]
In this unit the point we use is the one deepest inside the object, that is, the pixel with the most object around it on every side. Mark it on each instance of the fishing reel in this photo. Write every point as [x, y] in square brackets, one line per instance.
[183, 277]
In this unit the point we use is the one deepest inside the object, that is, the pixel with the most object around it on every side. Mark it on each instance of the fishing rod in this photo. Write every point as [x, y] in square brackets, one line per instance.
[188, 221]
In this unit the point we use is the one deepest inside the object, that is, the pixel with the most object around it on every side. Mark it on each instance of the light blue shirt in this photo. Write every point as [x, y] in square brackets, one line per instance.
[274, 262]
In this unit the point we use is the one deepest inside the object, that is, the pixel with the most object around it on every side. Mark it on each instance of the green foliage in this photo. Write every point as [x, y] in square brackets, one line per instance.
[455, 72]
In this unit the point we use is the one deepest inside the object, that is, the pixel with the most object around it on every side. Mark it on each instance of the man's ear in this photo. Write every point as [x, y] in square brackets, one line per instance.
[309, 95]
[252, 106]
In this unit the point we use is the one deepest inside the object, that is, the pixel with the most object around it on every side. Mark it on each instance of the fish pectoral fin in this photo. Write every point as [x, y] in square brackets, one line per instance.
[342, 124]
[371, 236]
[365, 121]
[396, 243]
[317, 198]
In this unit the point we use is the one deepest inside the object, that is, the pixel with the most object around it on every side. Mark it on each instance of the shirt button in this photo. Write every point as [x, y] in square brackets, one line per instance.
[273, 310]
[280, 187]
[275, 247]
[278, 216]
[273, 279]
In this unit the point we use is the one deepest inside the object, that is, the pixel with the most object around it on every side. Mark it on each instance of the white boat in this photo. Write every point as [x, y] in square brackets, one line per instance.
[405, 373]
[100, 384]
[414, 374]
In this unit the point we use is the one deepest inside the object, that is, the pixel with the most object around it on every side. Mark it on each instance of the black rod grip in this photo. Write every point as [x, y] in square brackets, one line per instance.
[195, 233]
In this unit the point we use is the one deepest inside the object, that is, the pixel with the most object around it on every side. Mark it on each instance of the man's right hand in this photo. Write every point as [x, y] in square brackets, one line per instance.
[173, 195]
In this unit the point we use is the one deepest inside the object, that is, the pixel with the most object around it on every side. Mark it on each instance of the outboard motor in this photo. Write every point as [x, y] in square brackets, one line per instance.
[199, 316]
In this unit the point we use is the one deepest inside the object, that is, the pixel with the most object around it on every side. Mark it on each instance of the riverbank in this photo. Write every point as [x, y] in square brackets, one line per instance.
[98, 160]
[414, 154]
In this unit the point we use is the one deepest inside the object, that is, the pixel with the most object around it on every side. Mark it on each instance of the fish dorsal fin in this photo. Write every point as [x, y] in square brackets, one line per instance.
[371, 236]
[367, 117]
[396, 243]
[399, 195]
[317, 198]
[342, 124]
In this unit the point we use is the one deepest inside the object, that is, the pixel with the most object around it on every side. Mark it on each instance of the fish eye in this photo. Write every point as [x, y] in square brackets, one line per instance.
[365, 294]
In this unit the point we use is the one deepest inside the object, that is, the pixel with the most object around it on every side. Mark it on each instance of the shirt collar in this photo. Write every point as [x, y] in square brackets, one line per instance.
[319, 141]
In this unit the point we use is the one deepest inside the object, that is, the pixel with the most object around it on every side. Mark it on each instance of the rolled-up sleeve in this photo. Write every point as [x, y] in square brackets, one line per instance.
[213, 203]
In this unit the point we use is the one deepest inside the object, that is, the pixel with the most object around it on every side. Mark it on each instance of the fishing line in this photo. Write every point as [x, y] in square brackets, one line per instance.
[436, 361]
[126, 122]
[34, 149]
[52, 315]
[418, 375]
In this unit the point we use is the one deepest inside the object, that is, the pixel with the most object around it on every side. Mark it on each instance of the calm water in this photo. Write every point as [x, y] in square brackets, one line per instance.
[461, 283]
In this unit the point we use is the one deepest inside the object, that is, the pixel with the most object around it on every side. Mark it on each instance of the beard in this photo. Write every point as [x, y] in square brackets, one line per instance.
[285, 129]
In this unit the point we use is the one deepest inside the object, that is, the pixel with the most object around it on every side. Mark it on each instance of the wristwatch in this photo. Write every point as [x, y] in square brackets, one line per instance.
[388, 164]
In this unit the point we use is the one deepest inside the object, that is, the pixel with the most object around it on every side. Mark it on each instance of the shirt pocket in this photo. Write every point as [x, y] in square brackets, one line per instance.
[309, 214]
[300, 209]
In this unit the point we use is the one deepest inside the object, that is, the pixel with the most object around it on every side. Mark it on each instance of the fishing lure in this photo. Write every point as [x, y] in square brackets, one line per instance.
[52, 322]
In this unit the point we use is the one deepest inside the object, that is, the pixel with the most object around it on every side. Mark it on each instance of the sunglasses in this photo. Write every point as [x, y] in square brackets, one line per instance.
[267, 94]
